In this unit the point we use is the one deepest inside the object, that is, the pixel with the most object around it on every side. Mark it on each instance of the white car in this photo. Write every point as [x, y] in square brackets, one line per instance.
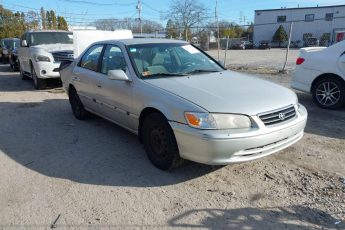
[321, 72]
[41, 52]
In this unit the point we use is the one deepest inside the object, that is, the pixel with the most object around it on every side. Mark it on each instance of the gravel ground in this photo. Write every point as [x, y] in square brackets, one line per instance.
[257, 59]
[93, 174]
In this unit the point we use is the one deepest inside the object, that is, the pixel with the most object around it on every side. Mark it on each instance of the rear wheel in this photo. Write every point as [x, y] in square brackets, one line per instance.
[159, 142]
[38, 83]
[77, 106]
[329, 93]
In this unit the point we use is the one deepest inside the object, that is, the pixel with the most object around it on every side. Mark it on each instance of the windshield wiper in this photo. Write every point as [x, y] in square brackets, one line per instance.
[202, 71]
[166, 74]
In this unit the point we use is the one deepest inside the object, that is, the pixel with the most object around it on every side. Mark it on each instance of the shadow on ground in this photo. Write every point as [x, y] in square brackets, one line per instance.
[294, 217]
[46, 138]
[323, 122]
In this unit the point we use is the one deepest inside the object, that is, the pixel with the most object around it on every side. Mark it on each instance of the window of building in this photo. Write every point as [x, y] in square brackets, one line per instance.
[329, 17]
[309, 17]
[281, 19]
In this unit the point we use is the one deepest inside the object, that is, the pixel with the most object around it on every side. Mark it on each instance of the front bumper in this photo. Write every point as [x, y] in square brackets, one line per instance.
[47, 69]
[221, 147]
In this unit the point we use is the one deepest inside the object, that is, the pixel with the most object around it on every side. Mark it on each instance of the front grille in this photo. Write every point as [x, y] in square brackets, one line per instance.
[63, 56]
[278, 116]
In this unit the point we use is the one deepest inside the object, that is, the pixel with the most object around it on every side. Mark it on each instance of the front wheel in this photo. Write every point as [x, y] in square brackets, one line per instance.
[329, 93]
[159, 142]
[21, 73]
[38, 83]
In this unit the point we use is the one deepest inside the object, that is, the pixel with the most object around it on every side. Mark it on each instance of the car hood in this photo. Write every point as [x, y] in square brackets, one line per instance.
[54, 47]
[228, 92]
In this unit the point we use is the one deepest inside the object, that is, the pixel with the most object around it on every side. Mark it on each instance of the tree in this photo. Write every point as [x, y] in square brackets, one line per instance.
[32, 20]
[187, 14]
[43, 18]
[280, 35]
[127, 23]
[53, 20]
[61, 23]
[171, 30]
[48, 20]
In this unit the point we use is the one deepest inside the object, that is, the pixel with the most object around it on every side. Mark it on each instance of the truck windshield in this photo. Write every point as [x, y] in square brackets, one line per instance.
[41, 38]
[170, 60]
[8, 44]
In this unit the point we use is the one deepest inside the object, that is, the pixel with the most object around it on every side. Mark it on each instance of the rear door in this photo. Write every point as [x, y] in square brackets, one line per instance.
[341, 62]
[85, 76]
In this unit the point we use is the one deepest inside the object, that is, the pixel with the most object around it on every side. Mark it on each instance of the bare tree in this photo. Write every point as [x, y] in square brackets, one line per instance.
[188, 15]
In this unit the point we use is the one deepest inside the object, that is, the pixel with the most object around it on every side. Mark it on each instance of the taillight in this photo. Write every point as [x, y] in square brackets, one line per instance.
[299, 61]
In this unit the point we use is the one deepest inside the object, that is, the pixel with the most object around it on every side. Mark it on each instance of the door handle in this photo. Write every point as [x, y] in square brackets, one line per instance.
[99, 86]
[76, 79]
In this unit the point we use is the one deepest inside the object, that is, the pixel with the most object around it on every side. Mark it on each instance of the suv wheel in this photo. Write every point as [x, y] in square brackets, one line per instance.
[159, 142]
[21, 73]
[77, 106]
[329, 93]
[38, 83]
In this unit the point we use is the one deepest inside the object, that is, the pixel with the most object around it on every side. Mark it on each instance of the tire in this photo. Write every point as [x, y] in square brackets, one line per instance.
[21, 73]
[329, 93]
[38, 83]
[77, 106]
[160, 143]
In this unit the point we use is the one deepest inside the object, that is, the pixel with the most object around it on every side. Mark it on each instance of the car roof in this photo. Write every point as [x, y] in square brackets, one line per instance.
[10, 39]
[137, 41]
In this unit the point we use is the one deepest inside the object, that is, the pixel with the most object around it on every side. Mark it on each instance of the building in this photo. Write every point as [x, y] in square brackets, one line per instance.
[322, 25]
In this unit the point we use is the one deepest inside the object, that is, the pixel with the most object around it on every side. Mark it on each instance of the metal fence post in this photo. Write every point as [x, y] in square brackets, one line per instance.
[226, 50]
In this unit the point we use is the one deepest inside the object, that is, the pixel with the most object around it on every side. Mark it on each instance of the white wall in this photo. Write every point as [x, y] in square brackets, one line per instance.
[316, 27]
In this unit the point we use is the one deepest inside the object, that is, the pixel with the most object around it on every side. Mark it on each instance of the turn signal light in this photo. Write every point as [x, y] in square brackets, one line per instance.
[192, 119]
[299, 61]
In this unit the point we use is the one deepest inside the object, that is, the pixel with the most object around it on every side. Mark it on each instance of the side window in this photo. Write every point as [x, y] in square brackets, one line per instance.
[91, 57]
[113, 59]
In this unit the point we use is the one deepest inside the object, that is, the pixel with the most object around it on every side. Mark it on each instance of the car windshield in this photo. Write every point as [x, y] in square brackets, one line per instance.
[41, 38]
[162, 60]
[8, 44]
[16, 44]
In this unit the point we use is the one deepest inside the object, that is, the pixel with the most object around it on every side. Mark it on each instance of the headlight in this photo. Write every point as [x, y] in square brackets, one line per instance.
[42, 58]
[217, 121]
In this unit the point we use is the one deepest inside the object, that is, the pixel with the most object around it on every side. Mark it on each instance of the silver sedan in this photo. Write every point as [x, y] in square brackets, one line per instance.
[182, 103]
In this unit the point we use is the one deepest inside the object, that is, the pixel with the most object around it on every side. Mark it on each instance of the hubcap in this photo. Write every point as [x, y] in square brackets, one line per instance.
[328, 93]
[157, 141]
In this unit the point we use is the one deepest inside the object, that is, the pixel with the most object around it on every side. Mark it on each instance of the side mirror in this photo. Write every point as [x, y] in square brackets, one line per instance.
[118, 74]
[24, 43]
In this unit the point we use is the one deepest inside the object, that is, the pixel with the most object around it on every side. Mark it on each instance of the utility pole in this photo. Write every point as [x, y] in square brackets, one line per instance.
[139, 8]
[217, 22]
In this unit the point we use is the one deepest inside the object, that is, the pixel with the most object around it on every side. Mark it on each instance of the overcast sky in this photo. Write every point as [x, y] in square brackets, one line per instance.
[80, 12]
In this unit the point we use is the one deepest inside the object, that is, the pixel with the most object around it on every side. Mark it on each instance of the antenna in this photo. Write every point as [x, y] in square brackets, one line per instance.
[139, 8]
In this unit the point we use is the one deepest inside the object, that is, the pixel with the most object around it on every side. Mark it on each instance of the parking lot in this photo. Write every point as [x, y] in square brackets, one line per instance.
[264, 60]
[60, 172]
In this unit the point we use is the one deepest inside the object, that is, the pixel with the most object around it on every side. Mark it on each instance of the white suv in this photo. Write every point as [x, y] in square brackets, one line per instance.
[41, 52]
